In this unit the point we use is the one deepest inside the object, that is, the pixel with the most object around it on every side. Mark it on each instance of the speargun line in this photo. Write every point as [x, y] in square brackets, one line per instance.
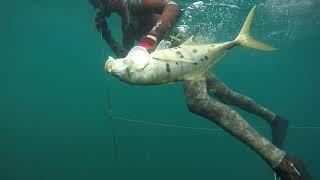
[109, 111]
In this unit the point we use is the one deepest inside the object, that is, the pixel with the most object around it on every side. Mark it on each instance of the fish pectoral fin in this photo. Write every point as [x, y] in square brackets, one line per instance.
[173, 60]
[138, 67]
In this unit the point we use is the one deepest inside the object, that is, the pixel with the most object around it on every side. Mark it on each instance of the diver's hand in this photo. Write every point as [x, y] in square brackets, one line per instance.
[100, 23]
[102, 27]
[138, 56]
[148, 42]
[119, 51]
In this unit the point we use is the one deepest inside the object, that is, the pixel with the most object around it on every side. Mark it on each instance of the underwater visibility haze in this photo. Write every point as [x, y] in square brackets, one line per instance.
[62, 117]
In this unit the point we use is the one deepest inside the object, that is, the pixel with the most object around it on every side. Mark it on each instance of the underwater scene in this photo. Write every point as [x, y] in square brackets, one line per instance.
[71, 111]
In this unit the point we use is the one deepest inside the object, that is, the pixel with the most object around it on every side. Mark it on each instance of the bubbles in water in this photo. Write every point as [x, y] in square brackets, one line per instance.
[289, 17]
[198, 5]
[221, 20]
[216, 19]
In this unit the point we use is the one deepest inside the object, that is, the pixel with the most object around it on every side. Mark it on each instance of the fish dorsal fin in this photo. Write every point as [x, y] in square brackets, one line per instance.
[164, 44]
[189, 42]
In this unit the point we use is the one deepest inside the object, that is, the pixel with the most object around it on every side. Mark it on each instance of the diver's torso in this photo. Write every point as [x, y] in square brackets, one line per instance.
[135, 20]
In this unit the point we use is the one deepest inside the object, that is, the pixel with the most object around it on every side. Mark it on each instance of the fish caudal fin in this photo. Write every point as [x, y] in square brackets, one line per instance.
[244, 38]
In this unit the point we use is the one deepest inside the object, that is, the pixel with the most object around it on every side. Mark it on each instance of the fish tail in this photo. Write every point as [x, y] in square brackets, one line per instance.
[244, 39]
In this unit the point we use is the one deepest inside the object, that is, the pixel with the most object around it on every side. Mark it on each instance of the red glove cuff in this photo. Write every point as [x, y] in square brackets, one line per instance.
[146, 42]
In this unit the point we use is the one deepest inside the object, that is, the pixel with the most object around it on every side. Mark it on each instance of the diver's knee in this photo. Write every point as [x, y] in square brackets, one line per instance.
[224, 95]
[196, 105]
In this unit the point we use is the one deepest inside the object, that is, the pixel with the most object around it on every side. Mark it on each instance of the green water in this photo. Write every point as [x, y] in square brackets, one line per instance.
[53, 97]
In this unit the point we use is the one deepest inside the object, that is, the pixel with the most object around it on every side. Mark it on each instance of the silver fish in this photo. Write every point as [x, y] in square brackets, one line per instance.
[189, 61]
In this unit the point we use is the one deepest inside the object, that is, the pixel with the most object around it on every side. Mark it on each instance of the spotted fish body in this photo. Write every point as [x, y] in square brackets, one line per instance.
[189, 61]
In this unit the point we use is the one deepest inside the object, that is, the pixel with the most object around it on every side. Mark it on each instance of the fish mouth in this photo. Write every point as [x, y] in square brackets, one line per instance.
[108, 66]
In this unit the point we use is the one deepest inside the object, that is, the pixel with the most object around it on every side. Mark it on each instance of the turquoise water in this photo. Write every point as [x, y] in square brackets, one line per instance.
[53, 96]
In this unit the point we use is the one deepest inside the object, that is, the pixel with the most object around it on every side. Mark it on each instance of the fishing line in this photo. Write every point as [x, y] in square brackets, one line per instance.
[164, 124]
[275, 176]
[199, 128]
[109, 109]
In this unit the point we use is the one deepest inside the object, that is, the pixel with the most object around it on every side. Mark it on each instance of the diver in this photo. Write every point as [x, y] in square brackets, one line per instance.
[145, 20]
[151, 20]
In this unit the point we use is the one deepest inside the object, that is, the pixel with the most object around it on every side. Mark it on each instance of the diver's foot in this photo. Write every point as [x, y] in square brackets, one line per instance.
[279, 131]
[292, 169]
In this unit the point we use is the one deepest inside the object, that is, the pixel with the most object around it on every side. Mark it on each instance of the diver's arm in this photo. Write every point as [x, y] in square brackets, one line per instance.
[102, 27]
[170, 13]
[128, 36]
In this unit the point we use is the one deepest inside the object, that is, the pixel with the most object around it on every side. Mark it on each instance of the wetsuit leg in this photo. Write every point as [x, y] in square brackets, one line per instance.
[199, 102]
[279, 125]
[222, 92]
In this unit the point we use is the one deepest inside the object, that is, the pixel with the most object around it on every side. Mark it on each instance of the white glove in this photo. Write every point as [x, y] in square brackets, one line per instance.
[138, 56]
